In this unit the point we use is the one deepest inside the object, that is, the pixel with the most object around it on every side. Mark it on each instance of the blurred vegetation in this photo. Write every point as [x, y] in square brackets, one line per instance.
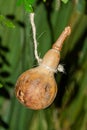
[69, 110]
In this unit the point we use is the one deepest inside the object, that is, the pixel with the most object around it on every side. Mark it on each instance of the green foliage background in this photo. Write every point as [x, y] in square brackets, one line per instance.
[69, 110]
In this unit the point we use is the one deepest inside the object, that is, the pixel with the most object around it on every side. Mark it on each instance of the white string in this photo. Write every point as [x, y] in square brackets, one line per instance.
[34, 37]
[60, 67]
[49, 68]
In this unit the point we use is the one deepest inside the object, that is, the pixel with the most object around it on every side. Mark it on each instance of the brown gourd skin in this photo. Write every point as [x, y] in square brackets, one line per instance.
[36, 88]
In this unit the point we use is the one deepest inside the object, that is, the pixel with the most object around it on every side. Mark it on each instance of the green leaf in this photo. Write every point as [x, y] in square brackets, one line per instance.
[19, 2]
[29, 2]
[44, 0]
[6, 22]
[9, 24]
[64, 1]
[28, 6]
[1, 85]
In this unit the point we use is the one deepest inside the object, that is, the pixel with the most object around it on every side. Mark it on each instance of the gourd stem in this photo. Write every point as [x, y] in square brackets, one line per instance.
[59, 43]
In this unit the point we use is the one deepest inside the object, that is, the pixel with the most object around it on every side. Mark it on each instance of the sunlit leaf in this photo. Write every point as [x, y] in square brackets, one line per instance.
[1, 85]
[44, 0]
[27, 4]
[65, 1]
[28, 7]
[6, 22]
